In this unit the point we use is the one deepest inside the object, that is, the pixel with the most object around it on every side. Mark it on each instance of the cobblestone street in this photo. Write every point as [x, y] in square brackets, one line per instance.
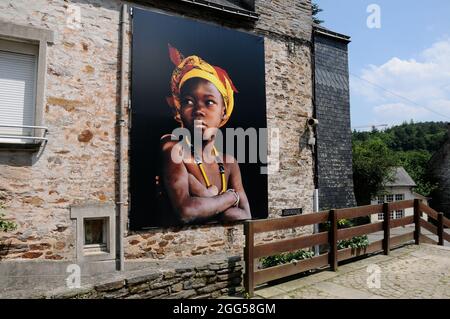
[409, 272]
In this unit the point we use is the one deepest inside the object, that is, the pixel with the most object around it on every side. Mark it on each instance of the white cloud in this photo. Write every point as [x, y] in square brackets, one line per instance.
[439, 53]
[424, 83]
[399, 112]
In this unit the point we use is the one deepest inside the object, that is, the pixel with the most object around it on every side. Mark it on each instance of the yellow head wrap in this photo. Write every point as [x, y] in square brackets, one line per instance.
[194, 67]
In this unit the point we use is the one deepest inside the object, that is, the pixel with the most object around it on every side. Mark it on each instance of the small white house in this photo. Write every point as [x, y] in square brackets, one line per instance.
[400, 189]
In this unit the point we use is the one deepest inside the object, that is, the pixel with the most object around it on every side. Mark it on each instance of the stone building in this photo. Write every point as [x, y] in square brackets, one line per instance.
[439, 169]
[400, 188]
[74, 167]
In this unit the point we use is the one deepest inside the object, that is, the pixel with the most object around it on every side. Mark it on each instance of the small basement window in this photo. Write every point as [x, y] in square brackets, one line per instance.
[95, 235]
[95, 231]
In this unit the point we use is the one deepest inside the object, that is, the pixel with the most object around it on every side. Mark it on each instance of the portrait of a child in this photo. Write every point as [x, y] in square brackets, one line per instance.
[202, 185]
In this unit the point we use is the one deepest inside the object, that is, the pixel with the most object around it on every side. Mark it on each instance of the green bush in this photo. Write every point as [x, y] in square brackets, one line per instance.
[286, 258]
[355, 242]
[5, 225]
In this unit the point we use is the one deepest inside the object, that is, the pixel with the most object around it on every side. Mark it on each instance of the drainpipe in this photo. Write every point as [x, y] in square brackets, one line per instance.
[313, 85]
[121, 123]
[316, 226]
[316, 207]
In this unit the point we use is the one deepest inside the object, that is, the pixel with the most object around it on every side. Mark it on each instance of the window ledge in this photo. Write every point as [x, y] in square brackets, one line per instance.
[30, 147]
[22, 142]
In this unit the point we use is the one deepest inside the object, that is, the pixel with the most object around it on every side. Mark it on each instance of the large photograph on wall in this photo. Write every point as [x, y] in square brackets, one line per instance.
[198, 115]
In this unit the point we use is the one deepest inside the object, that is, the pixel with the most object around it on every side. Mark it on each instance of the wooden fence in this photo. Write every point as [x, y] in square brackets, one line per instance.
[331, 237]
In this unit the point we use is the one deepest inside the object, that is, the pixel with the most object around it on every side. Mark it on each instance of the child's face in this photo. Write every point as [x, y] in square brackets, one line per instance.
[201, 101]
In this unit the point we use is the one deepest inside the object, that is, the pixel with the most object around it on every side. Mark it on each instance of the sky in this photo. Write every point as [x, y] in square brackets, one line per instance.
[399, 64]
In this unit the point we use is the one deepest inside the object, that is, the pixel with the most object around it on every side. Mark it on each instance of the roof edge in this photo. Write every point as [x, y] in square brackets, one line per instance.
[332, 34]
[223, 8]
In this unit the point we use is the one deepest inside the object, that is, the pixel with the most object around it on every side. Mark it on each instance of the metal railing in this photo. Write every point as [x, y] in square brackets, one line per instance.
[41, 138]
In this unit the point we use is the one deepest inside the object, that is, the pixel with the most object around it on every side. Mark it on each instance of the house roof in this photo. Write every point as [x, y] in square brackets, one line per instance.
[401, 178]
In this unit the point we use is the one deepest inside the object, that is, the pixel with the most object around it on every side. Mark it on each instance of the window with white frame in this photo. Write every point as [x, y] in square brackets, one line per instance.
[23, 67]
[399, 213]
[388, 199]
[381, 216]
[18, 67]
[380, 199]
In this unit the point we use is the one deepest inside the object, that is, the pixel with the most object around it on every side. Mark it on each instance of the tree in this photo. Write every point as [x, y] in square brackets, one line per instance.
[315, 11]
[415, 163]
[412, 144]
[427, 136]
[372, 168]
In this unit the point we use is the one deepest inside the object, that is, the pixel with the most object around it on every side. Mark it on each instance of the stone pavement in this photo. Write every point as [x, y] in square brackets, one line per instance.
[409, 272]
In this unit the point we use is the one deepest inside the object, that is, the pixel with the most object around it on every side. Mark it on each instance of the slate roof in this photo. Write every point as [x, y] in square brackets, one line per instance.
[330, 33]
[402, 178]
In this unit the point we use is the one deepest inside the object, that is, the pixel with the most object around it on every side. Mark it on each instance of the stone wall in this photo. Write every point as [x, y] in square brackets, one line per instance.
[78, 164]
[197, 282]
[334, 139]
[189, 282]
[199, 277]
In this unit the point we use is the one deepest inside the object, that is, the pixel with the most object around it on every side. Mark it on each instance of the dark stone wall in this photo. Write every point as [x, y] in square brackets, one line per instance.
[332, 101]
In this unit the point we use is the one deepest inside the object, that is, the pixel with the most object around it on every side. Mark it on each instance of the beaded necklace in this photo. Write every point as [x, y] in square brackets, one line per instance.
[198, 161]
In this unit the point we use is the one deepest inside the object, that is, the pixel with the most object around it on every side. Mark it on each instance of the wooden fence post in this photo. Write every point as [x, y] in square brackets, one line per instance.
[440, 228]
[248, 258]
[333, 240]
[417, 221]
[386, 228]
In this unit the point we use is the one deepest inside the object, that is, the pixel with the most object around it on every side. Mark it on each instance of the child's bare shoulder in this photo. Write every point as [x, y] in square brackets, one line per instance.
[230, 162]
[171, 150]
[228, 159]
[167, 142]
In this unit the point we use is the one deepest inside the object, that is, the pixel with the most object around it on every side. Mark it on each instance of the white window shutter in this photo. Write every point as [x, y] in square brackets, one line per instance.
[17, 94]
